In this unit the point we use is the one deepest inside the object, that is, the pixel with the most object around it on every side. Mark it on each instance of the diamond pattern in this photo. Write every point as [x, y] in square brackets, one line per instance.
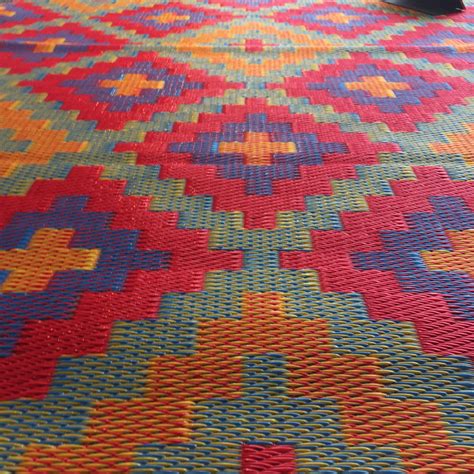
[339, 19]
[380, 91]
[235, 236]
[161, 20]
[129, 89]
[23, 13]
[250, 48]
[438, 44]
[50, 46]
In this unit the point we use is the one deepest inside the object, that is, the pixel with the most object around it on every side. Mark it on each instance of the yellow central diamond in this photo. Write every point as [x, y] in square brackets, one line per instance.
[377, 86]
[169, 17]
[257, 148]
[132, 84]
[340, 18]
[209, 46]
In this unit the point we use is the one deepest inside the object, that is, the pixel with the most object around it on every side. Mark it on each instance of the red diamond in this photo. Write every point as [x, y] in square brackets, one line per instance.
[161, 20]
[23, 13]
[343, 20]
[52, 45]
[379, 90]
[129, 89]
[256, 158]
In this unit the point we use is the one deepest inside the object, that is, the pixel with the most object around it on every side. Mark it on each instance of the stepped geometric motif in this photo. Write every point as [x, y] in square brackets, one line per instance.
[337, 19]
[24, 13]
[367, 414]
[161, 20]
[269, 158]
[50, 46]
[410, 244]
[437, 44]
[235, 236]
[251, 5]
[104, 252]
[459, 144]
[43, 141]
[131, 88]
[249, 48]
[378, 90]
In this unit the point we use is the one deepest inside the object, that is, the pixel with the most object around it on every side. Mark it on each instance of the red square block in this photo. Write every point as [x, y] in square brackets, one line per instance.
[268, 459]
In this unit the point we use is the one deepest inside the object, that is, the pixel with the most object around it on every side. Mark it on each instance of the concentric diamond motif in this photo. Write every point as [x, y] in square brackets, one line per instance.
[436, 43]
[23, 13]
[131, 88]
[417, 247]
[257, 143]
[90, 7]
[380, 91]
[251, 5]
[52, 45]
[339, 19]
[433, 256]
[77, 255]
[254, 48]
[161, 20]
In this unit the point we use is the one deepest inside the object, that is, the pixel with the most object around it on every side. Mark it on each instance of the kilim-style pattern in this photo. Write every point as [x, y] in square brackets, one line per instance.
[236, 236]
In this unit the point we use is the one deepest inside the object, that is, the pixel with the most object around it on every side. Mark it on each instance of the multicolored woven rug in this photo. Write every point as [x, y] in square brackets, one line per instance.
[235, 236]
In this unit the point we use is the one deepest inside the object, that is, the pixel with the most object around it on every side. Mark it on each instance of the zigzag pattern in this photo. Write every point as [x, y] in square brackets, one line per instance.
[235, 236]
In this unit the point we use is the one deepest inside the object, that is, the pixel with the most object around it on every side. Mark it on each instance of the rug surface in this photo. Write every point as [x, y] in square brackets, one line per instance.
[235, 236]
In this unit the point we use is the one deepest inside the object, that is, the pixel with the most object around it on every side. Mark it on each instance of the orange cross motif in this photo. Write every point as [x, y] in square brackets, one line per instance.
[31, 269]
[459, 45]
[176, 383]
[257, 148]
[5, 12]
[132, 84]
[44, 141]
[458, 143]
[340, 18]
[377, 86]
[48, 45]
[461, 259]
[169, 17]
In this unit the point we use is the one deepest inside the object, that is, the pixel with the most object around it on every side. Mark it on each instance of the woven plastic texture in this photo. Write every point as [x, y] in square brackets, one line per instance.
[236, 236]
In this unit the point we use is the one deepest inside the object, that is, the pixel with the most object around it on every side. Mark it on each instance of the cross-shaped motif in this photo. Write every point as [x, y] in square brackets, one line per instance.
[257, 148]
[131, 84]
[377, 86]
[460, 260]
[458, 44]
[340, 18]
[168, 17]
[5, 12]
[458, 143]
[31, 269]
